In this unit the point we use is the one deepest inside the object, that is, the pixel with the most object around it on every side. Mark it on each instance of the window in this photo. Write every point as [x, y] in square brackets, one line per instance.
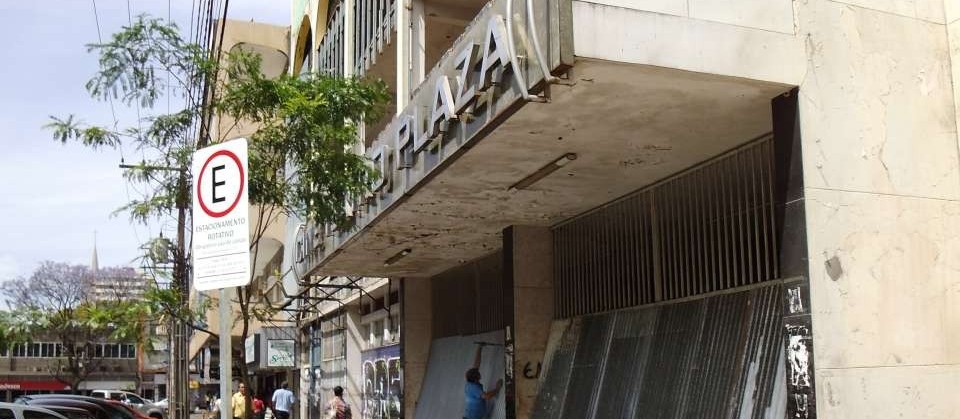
[33, 414]
[124, 351]
[394, 328]
[377, 335]
[98, 351]
[134, 399]
[7, 414]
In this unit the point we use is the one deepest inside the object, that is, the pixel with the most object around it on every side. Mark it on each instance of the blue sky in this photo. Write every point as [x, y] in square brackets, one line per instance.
[53, 196]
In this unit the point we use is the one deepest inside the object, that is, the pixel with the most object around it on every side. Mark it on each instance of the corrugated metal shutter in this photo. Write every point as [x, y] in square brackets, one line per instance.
[714, 357]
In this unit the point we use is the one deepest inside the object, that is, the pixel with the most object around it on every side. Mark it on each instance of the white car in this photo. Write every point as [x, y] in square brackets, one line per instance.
[133, 400]
[22, 411]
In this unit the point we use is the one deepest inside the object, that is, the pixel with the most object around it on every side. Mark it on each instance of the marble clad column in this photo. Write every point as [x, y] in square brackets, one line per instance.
[882, 196]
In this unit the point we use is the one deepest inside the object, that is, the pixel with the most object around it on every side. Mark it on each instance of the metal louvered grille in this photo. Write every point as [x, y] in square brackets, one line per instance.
[710, 228]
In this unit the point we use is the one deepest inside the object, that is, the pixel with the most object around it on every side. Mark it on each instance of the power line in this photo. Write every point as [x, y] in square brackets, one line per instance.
[96, 16]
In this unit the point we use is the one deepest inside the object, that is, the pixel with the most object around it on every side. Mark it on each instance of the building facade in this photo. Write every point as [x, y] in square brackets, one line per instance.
[265, 336]
[702, 209]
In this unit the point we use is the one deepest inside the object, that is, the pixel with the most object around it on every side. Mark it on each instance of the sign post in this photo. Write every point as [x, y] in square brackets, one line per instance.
[221, 238]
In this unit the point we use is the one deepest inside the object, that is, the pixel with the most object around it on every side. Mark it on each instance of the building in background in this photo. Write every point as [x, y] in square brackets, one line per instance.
[266, 336]
[43, 366]
[706, 209]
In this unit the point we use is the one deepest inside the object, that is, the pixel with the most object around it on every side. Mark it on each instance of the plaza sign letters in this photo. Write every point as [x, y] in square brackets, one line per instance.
[475, 86]
[221, 241]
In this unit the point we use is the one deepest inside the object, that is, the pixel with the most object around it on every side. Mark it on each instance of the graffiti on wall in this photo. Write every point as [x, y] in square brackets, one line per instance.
[382, 383]
[798, 331]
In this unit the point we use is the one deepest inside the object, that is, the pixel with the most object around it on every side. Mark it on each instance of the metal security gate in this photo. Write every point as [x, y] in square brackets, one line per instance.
[717, 356]
[707, 229]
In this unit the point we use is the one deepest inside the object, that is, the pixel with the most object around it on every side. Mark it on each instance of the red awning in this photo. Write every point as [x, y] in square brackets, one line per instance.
[52, 385]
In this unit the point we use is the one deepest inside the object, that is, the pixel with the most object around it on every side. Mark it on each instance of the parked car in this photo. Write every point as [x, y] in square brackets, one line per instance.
[133, 400]
[92, 409]
[20, 411]
[70, 412]
[112, 411]
[133, 412]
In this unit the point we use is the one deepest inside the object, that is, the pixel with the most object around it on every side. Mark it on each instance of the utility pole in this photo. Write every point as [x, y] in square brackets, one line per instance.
[178, 376]
[178, 369]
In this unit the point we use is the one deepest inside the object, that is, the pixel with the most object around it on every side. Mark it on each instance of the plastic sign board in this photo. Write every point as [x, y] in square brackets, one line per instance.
[280, 352]
[221, 232]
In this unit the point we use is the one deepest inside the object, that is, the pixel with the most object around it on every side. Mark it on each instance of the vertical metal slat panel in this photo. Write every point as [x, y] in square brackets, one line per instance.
[707, 229]
[715, 357]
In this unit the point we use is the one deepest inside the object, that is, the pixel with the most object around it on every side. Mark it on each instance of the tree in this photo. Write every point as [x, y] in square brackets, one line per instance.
[59, 302]
[300, 159]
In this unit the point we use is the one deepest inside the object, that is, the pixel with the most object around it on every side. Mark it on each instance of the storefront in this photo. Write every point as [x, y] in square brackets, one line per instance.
[11, 389]
[271, 355]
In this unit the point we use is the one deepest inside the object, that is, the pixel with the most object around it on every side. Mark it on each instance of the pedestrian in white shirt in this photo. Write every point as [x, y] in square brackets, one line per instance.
[283, 402]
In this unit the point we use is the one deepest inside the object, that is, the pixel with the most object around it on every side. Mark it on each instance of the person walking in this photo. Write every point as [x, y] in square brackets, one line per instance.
[282, 402]
[475, 405]
[240, 403]
[258, 407]
[338, 408]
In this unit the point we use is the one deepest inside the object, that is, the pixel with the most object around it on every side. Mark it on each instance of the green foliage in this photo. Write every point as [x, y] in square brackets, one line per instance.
[301, 158]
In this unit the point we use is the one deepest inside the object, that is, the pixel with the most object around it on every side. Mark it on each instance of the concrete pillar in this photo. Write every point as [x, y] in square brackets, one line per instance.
[416, 334]
[353, 382]
[528, 312]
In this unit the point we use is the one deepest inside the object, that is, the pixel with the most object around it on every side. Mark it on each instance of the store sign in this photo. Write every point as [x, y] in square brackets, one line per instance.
[45, 385]
[250, 349]
[477, 84]
[280, 353]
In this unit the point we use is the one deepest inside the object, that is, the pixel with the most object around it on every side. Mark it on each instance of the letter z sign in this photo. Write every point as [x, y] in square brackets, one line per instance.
[221, 233]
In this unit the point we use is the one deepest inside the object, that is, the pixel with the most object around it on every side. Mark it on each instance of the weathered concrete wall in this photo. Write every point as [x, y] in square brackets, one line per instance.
[744, 38]
[529, 259]
[416, 336]
[353, 388]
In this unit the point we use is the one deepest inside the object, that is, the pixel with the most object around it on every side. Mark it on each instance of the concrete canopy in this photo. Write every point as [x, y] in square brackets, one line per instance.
[630, 126]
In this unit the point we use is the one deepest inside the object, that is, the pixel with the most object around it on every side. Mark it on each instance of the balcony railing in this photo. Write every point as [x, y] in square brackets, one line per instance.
[374, 22]
[331, 50]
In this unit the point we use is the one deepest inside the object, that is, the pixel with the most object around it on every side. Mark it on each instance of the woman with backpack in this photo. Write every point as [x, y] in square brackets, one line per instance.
[338, 408]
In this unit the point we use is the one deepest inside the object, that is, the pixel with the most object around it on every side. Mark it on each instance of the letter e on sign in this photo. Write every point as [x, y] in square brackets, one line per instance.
[221, 235]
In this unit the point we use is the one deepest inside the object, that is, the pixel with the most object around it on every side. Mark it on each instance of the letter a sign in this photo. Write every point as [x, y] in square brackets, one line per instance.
[221, 233]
